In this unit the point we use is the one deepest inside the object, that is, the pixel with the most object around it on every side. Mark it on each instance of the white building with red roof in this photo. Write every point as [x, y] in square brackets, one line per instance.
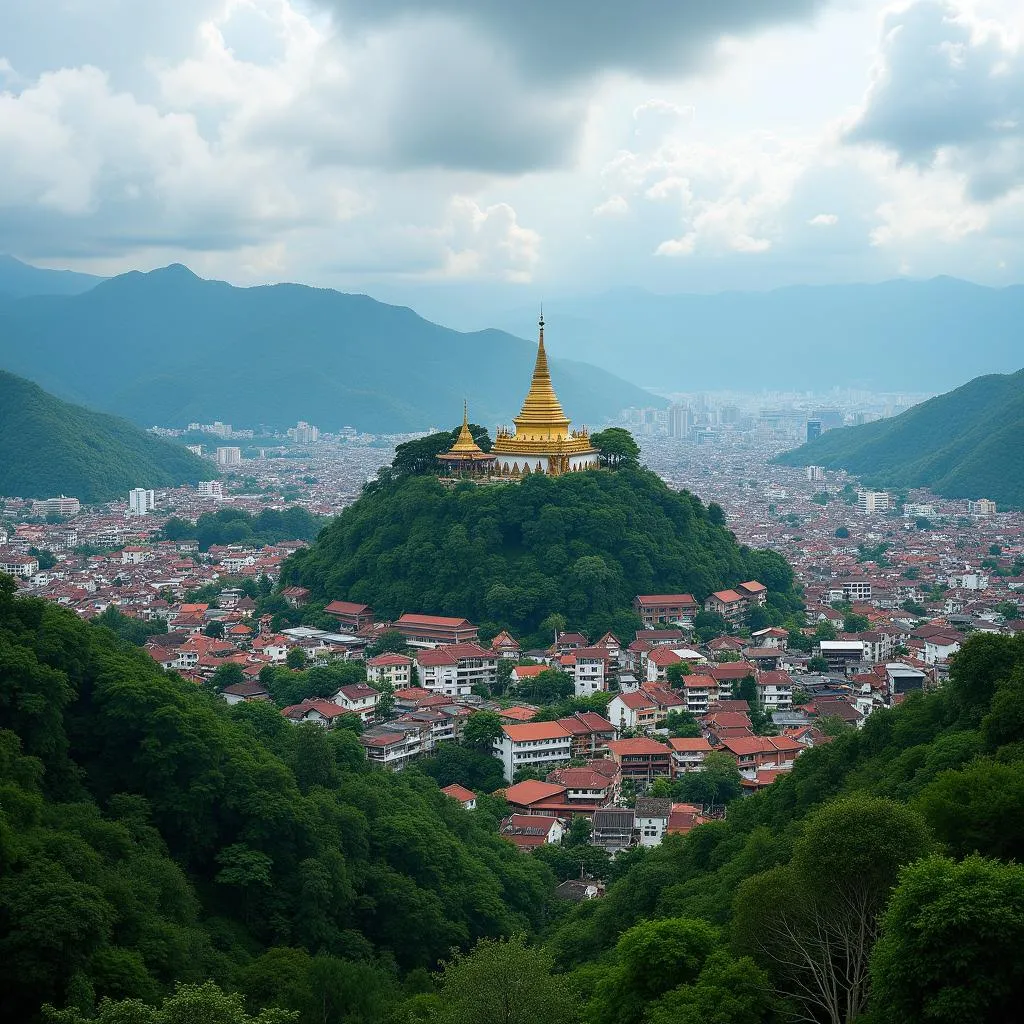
[531, 745]
[394, 670]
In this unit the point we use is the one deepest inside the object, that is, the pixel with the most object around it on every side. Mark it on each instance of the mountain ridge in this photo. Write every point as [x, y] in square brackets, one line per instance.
[49, 447]
[169, 347]
[962, 444]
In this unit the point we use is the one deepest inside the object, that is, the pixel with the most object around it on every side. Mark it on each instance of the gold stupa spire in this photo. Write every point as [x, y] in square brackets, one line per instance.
[465, 442]
[541, 415]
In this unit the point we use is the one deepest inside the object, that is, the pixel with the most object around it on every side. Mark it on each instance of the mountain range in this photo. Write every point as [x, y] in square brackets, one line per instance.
[168, 348]
[901, 335]
[49, 447]
[968, 443]
[19, 279]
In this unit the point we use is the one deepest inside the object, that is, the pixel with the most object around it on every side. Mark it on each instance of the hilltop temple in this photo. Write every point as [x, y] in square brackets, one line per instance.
[540, 443]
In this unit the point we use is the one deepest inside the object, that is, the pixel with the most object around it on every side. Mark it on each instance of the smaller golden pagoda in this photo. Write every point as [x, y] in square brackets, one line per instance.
[542, 441]
[466, 457]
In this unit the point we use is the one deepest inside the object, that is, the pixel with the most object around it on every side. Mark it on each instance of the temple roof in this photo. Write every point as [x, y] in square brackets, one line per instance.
[542, 413]
[464, 442]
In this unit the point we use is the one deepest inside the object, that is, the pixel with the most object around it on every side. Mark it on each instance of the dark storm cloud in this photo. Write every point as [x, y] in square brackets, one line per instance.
[557, 39]
[945, 93]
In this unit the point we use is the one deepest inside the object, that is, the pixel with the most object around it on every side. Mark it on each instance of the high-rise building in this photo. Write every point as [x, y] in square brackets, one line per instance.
[140, 501]
[229, 456]
[678, 421]
[982, 508]
[304, 433]
[815, 473]
[872, 501]
[813, 430]
[211, 489]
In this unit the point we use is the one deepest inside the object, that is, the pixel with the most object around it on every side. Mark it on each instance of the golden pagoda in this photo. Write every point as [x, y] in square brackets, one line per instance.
[542, 441]
[466, 456]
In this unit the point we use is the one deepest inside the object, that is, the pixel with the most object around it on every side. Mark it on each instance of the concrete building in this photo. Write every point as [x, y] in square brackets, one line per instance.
[982, 508]
[140, 501]
[210, 489]
[61, 506]
[872, 501]
[532, 744]
[229, 456]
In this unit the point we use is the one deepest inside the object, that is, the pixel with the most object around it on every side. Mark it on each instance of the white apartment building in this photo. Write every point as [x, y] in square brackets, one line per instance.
[229, 456]
[140, 501]
[815, 473]
[775, 690]
[856, 590]
[390, 669]
[456, 668]
[590, 670]
[211, 489]
[24, 566]
[700, 691]
[61, 506]
[532, 744]
[688, 753]
[983, 508]
[873, 501]
[359, 699]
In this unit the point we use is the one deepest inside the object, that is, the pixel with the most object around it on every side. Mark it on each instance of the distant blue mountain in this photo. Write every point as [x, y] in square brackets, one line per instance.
[19, 279]
[899, 335]
[168, 348]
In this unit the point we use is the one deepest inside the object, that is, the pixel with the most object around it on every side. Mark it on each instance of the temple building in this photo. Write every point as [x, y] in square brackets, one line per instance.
[466, 457]
[542, 441]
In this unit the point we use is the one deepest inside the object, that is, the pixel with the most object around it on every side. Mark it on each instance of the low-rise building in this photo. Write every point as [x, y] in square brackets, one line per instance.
[359, 699]
[657, 608]
[531, 745]
[394, 670]
[641, 760]
[435, 630]
[688, 753]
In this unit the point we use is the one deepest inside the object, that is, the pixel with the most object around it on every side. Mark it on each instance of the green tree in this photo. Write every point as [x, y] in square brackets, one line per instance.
[504, 981]
[214, 628]
[842, 532]
[682, 724]
[296, 658]
[482, 728]
[616, 447]
[853, 623]
[817, 932]
[727, 991]
[950, 942]
[717, 783]
[228, 674]
[391, 641]
[817, 664]
[546, 687]
[189, 1004]
[676, 674]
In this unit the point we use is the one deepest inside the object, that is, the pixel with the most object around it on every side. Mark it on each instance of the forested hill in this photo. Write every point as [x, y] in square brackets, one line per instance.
[150, 834]
[964, 444]
[49, 447]
[168, 347]
[580, 546]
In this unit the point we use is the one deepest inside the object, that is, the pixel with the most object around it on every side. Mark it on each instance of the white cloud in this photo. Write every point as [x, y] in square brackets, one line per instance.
[823, 220]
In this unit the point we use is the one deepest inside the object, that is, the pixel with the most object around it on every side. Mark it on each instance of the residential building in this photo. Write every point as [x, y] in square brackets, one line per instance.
[62, 506]
[14, 564]
[900, 678]
[229, 456]
[939, 647]
[590, 733]
[613, 829]
[727, 603]
[434, 630]
[982, 508]
[140, 501]
[394, 670]
[321, 712]
[528, 831]
[774, 690]
[688, 753]
[872, 501]
[237, 693]
[466, 797]
[532, 744]
[506, 646]
[651, 815]
[842, 656]
[393, 745]
[856, 589]
[455, 669]
[641, 760]
[211, 489]
[590, 670]
[657, 608]
[351, 614]
[633, 710]
[815, 473]
[359, 699]
[700, 691]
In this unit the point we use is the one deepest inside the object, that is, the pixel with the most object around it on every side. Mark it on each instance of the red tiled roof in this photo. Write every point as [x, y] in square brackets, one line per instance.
[531, 791]
[531, 731]
[640, 745]
[460, 793]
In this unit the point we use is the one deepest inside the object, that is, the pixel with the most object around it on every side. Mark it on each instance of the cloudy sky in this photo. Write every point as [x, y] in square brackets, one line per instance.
[499, 149]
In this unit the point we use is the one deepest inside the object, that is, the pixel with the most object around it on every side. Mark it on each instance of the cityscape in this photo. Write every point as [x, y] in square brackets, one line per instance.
[512, 513]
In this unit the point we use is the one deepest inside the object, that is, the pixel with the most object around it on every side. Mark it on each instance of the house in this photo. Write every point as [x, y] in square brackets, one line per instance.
[842, 656]
[700, 692]
[774, 690]
[590, 733]
[565, 642]
[688, 754]
[641, 760]
[727, 603]
[658, 661]
[773, 636]
[902, 678]
[435, 630]
[590, 670]
[295, 597]
[652, 816]
[454, 669]
[685, 818]
[394, 670]
[656, 608]
[753, 593]
[506, 646]
[521, 672]
[613, 829]
[350, 614]
[532, 744]
[393, 745]
[359, 699]
[633, 710]
[528, 832]
[939, 647]
[576, 890]
[249, 690]
[532, 796]
[321, 712]
[466, 797]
